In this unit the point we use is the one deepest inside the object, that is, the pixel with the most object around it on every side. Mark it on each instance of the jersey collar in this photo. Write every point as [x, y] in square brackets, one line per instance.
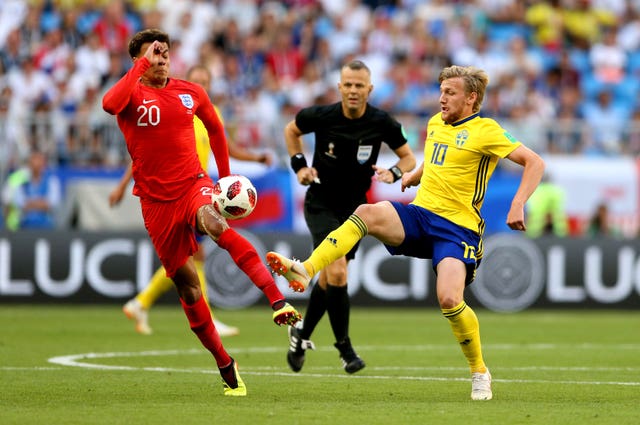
[462, 121]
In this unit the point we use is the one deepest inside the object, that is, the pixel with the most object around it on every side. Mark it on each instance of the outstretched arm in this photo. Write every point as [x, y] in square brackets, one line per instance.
[531, 176]
[243, 154]
[406, 162]
[215, 131]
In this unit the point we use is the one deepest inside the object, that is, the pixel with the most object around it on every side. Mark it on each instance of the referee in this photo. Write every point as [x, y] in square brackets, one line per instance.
[348, 138]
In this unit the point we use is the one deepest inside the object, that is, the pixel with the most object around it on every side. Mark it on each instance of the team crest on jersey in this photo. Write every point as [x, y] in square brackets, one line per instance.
[187, 100]
[461, 138]
[364, 153]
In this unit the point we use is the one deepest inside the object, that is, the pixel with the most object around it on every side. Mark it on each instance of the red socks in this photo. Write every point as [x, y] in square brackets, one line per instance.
[247, 259]
[201, 324]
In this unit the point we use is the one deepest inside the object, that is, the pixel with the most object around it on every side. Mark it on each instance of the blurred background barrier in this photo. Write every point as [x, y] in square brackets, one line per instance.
[586, 181]
[517, 272]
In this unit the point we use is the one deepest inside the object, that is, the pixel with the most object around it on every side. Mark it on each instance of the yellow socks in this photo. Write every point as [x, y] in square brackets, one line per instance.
[158, 285]
[203, 282]
[466, 329]
[337, 244]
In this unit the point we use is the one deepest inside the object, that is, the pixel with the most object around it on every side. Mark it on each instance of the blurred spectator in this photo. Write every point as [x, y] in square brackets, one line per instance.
[359, 15]
[10, 211]
[113, 28]
[503, 11]
[243, 12]
[600, 223]
[632, 140]
[232, 85]
[37, 194]
[104, 136]
[557, 51]
[608, 59]
[32, 93]
[546, 19]
[52, 54]
[31, 32]
[436, 15]
[546, 213]
[13, 50]
[228, 39]
[343, 40]
[484, 56]
[461, 32]
[400, 92]
[325, 62]
[251, 58]
[309, 87]
[69, 27]
[12, 14]
[89, 13]
[283, 60]
[521, 62]
[607, 121]
[306, 37]
[560, 77]
[91, 58]
[260, 118]
[566, 135]
[584, 23]
[629, 33]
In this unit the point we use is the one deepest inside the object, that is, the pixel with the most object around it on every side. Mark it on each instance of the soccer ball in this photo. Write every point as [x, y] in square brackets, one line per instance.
[234, 196]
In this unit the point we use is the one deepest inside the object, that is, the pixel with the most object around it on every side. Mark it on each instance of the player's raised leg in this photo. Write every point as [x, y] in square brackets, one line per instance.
[247, 259]
[335, 245]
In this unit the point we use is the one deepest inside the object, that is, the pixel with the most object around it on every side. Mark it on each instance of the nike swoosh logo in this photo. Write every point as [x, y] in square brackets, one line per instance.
[145, 101]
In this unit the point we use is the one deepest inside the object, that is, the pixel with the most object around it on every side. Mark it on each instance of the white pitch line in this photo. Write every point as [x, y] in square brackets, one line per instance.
[79, 360]
[274, 372]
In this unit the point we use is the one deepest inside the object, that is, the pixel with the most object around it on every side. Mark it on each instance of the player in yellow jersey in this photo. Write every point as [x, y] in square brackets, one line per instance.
[137, 308]
[443, 222]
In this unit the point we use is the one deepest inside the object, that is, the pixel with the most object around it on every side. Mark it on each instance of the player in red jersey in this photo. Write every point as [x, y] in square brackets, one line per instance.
[155, 114]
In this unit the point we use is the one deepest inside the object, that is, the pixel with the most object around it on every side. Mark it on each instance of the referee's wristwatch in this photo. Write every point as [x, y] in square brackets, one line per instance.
[397, 173]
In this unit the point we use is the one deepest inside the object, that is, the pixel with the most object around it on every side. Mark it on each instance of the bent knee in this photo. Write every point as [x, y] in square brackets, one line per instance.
[210, 222]
[447, 302]
[336, 272]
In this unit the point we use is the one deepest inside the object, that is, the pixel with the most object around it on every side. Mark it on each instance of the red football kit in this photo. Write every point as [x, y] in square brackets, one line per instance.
[157, 124]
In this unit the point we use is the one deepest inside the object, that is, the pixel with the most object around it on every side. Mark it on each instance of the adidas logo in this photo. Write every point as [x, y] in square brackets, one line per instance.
[333, 241]
[465, 342]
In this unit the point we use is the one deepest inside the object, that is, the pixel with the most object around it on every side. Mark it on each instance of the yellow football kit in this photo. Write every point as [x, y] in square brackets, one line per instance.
[459, 159]
[458, 162]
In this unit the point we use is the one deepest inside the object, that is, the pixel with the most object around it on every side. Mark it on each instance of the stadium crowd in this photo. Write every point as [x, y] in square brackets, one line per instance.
[564, 73]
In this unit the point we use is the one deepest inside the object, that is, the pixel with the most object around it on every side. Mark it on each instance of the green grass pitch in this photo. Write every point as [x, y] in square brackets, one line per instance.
[86, 365]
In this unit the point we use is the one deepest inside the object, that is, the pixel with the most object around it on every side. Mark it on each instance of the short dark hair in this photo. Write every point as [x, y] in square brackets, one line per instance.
[146, 36]
[357, 65]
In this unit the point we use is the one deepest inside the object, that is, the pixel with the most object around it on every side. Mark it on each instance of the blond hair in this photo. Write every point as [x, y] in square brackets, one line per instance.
[475, 80]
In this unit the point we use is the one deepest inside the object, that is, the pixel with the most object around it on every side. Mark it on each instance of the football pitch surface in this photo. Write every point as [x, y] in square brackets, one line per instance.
[65, 364]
